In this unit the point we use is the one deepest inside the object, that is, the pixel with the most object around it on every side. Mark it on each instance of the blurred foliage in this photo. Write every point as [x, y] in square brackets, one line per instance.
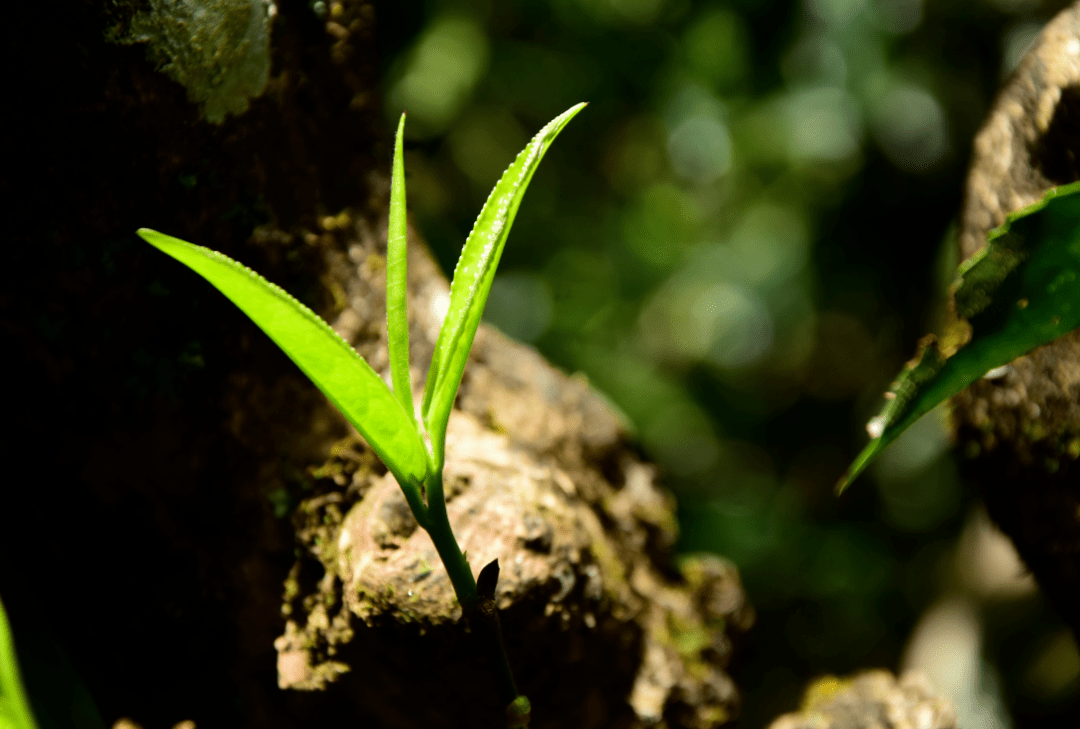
[739, 242]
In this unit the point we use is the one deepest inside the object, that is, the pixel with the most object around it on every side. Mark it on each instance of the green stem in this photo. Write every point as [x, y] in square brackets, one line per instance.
[457, 567]
[415, 499]
[478, 610]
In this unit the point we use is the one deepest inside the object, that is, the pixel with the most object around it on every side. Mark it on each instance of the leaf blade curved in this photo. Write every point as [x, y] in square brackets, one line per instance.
[1021, 291]
[327, 359]
[472, 280]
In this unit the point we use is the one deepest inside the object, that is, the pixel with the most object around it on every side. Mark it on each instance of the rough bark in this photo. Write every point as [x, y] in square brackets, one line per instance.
[1020, 432]
[159, 439]
[149, 424]
[871, 700]
[602, 628]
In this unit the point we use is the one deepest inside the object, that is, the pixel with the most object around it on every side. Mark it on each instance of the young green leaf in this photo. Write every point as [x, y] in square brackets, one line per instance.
[397, 314]
[327, 359]
[472, 280]
[14, 705]
[1019, 292]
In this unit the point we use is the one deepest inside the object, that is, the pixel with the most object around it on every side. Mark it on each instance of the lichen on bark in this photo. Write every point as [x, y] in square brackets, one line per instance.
[871, 700]
[219, 50]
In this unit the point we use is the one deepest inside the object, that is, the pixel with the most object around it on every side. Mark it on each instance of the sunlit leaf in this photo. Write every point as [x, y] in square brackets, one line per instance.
[472, 280]
[397, 314]
[1018, 293]
[14, 705]
[327, 359]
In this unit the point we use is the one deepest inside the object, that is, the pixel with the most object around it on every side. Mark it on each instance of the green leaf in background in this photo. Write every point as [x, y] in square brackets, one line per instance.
[14, 705]
[327, 359]
[397, 313]
[472, 281]
[1019, 292]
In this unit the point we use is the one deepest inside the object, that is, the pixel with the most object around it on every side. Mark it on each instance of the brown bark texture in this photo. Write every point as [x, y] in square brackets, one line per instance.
[1019, 431]
[180, 499]
[871, 700]
[602, 626]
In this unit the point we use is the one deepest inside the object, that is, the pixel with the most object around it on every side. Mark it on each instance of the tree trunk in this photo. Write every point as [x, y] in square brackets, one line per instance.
[159, 442]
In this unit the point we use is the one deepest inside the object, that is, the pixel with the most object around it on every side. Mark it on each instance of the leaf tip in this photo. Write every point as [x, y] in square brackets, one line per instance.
[153, 237]
[842, 484]
[852, 473]
[860, 463]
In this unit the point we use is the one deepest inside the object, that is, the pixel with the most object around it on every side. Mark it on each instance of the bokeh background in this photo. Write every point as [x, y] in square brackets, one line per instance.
[739, 242]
